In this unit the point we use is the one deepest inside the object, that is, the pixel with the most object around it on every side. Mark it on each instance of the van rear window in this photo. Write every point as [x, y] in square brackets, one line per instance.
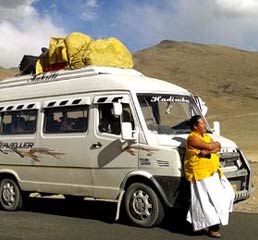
[70, 119]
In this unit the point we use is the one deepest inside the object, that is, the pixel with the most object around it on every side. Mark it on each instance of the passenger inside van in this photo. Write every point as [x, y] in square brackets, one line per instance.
[65, 124]
[81, 123]
[21, 125]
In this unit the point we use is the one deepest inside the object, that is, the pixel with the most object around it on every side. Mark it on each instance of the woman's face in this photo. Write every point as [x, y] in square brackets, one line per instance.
[200, 127]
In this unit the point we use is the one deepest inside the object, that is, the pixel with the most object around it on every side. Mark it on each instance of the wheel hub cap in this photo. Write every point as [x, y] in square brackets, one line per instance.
[8, 193]
[142, 205]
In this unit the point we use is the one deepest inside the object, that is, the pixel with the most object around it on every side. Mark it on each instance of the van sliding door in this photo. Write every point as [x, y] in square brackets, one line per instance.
[63, 164]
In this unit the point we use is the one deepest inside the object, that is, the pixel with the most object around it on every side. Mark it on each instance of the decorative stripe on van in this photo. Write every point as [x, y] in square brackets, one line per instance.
[26, 149]
[16, 107]
[67, 102]
[133, 149]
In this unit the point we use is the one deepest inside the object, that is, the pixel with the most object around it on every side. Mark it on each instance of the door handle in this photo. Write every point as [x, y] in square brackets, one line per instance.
[96, 145]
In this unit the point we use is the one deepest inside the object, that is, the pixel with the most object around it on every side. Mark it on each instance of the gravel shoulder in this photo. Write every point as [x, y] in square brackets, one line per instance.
[251, 204]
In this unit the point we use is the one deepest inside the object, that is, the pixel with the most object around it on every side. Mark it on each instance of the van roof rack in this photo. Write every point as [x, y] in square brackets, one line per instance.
[65, 75]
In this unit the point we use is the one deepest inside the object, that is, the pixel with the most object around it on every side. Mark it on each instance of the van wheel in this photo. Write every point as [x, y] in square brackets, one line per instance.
[10, 195]
[143, 206]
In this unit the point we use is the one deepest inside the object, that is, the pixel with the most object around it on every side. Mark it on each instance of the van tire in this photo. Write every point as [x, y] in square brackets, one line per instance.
[142, 206]
[10, 195]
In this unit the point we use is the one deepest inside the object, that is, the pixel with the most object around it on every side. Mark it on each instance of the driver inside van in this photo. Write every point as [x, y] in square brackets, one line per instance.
[108, 123]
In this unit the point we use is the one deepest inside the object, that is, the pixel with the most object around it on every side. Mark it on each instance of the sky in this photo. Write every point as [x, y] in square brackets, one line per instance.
[27, 25]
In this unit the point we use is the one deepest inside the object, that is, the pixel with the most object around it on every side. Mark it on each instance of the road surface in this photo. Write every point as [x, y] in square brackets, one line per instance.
[54, 219]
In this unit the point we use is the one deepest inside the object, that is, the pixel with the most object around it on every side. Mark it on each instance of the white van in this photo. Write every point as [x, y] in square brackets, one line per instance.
[102, 133]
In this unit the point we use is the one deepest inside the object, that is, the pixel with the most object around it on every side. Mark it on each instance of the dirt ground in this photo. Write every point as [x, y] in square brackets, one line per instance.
[250, 205]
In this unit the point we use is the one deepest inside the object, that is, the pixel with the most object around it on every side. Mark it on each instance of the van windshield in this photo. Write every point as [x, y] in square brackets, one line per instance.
[167, 114]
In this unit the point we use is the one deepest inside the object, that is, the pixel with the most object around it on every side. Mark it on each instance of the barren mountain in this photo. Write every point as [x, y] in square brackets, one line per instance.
[226, 78]
[4, 73]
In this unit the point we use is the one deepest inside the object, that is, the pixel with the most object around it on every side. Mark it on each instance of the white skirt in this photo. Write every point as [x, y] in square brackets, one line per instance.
[212, 200]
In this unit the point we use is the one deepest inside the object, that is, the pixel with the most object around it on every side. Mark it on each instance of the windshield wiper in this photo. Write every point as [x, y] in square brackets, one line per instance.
[182, 131]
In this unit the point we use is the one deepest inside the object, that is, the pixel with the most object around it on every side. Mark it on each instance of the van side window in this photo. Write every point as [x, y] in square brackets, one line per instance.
[127, 115]
[18, 122]
[70, 119]
[108, 123]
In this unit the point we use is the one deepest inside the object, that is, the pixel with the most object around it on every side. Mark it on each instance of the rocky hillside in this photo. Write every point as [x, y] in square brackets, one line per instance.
[4, 73]
[226, 78]
[205, 69]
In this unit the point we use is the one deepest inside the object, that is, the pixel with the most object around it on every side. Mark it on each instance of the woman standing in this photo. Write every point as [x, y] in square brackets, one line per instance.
[212, 196]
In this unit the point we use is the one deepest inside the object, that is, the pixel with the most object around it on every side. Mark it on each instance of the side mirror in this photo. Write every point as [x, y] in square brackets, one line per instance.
[127, 132]
[117, 109]
[216, 127]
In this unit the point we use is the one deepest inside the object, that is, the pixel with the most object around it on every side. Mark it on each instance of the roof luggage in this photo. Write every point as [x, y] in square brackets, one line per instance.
[75, 51]
[27, 65]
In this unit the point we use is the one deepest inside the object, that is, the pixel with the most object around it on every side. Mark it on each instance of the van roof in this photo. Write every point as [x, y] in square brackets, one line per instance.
[90, 78]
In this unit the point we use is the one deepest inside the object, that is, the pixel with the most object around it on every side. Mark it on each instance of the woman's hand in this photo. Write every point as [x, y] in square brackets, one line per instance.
[205, 153]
